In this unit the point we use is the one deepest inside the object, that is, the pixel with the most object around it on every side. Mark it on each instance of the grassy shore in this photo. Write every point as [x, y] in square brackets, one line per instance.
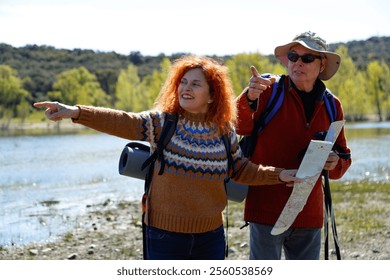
[112, 230]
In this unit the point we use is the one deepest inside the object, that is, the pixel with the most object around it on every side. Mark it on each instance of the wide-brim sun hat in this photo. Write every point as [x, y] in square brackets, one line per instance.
[333, 59]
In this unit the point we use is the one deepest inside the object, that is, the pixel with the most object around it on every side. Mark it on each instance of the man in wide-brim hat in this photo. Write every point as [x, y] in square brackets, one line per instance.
[301, 117]
[310, 41]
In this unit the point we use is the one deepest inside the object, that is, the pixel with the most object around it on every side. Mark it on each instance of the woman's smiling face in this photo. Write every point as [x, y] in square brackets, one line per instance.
[194, 92]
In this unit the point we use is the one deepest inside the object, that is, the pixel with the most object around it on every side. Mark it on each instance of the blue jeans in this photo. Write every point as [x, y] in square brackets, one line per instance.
[167, 245]
[298, 244]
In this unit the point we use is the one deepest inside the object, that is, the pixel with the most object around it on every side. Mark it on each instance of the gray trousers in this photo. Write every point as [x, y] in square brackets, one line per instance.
[297, 244]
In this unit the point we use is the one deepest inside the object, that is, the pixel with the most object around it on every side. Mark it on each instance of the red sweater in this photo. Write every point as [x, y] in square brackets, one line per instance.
[281, 143]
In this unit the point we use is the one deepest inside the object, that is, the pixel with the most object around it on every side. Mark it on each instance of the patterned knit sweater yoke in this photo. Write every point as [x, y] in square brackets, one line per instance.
[196, 150]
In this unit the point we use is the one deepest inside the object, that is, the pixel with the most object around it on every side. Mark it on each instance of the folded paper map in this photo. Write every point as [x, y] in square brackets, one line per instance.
[309, 170]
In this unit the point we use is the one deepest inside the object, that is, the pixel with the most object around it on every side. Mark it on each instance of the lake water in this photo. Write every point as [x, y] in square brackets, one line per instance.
[46, 181]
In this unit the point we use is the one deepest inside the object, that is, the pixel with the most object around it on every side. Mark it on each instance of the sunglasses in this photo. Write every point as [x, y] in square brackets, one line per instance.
[306, 58]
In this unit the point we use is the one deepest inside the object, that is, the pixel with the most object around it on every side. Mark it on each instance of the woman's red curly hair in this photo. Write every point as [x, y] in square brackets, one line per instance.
[222, 111]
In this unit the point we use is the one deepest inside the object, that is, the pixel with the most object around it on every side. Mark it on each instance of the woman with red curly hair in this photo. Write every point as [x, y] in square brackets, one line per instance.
[220, 91]
[185, 204]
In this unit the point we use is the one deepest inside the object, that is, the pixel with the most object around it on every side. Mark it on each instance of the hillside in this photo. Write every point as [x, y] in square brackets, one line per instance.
[39, 65]
[361, 52]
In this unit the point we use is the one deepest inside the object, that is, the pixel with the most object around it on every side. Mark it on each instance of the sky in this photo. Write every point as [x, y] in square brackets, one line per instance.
[201, 27]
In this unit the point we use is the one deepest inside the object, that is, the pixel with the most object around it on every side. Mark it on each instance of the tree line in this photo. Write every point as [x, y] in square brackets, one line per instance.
[132, 82]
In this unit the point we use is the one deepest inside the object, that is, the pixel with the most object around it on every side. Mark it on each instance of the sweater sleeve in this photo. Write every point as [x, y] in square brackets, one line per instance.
[249, 173]
[257, 174]
[132, 126]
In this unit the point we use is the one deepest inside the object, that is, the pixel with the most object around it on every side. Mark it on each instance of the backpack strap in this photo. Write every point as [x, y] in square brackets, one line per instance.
[248, 143]
[332, 113]
[226, 142]
[166, 135]
[329, 214]
[330, 105]
[167, 132]
[168, 129]
[273, 104]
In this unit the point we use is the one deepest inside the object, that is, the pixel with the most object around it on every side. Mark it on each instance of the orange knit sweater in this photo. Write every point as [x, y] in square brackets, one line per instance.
[190, 196]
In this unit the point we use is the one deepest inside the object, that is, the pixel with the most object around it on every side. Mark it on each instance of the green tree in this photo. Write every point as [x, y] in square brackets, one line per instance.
[107, 79]
[152, 84]
[127, 89]
[378, 87]
[12, 95]
[23, 110]
[348, 85]
[386, 88]
[239, 68]
[78, 86]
